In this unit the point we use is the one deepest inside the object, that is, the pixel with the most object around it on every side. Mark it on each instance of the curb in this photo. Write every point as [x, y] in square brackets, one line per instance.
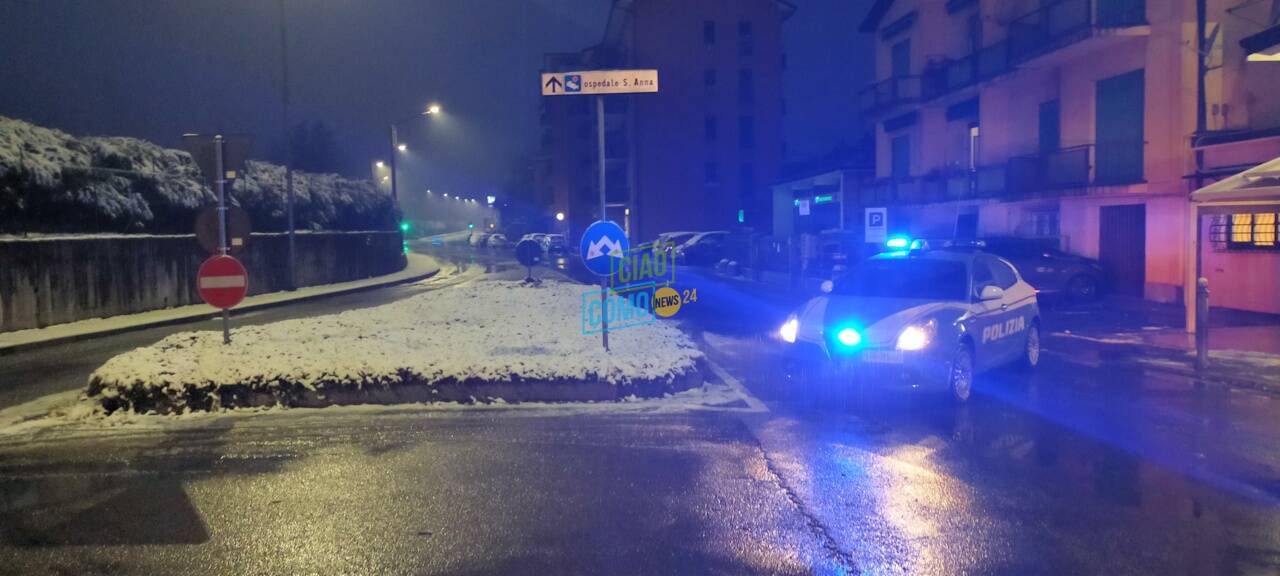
[1210, 376]
[405, 387]
[1174, 361]
[24, 346]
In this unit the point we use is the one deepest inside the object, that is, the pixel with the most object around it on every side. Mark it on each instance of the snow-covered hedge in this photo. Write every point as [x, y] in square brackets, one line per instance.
[54, 182]
[487, 339]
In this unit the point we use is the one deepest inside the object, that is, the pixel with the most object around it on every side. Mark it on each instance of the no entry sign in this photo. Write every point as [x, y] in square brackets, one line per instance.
[222, 282]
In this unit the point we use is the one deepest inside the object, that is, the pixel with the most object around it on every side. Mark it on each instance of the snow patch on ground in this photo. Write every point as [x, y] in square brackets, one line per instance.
[1111, 339]
[492, 331]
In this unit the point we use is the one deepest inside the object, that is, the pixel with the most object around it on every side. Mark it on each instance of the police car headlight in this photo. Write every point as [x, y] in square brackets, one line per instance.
[917, 336]
[789, 329]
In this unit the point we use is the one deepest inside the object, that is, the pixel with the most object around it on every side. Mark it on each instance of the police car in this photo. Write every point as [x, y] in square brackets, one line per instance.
[917, 318]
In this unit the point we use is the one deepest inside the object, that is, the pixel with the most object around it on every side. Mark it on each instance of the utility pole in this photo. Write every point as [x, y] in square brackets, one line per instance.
[604, 215]
[288, 144]
[222, 223]
[395, 145]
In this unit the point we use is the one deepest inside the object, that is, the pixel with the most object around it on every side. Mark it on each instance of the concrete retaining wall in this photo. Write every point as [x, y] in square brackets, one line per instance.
[56, 280]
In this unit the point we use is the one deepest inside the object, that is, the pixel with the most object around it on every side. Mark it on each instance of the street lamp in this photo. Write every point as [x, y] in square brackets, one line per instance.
[379, 164]
[432, 110]
[559, 216]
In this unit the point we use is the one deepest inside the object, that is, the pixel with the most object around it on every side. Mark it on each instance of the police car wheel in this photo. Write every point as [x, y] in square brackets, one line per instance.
[960, 379]
[1031, 350]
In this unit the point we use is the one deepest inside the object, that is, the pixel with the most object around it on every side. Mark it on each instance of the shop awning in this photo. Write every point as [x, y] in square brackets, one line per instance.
[1260, 183]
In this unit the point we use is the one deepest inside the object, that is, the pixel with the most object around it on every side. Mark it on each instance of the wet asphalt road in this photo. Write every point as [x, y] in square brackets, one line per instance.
[1083, 468]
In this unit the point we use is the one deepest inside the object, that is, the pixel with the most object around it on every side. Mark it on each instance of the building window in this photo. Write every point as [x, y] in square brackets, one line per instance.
[1253, 231]
[1044, 224]
[900, 153]
[746, 38]
[746, 179]
[712, 173]
[974, 29]
[746, 86]
[710, 129]
[709, 33]
[746, 132]
[975, 138]
[901, 59]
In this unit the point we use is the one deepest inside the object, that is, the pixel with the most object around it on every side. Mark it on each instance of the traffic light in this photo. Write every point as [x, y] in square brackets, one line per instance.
[471, 226]
[404, 226]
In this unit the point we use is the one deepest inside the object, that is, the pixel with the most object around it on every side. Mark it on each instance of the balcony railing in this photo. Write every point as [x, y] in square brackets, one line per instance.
[890, 92]
[1065, 22]
[1051, 173]
[1058, 173]
[949, 76]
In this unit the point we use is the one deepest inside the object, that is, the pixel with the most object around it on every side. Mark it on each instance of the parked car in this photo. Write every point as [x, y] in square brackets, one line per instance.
[555, 244]
[668, 241]
[703, 249]
[477, 238]
[921, 318]
[497, 241]
[535, 236]
[1050, 270]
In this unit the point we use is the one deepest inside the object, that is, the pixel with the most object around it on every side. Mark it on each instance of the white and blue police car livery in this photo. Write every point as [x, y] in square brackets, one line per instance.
[917, 318]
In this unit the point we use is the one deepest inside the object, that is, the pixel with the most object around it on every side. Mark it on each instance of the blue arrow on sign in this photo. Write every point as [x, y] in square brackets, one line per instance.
[603, 246]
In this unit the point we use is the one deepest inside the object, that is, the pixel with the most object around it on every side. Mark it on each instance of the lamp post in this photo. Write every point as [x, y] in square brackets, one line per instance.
[398, 148]
[288, 145]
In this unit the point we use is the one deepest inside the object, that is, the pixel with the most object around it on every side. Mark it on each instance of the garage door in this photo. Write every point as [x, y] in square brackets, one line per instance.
[1122, 247]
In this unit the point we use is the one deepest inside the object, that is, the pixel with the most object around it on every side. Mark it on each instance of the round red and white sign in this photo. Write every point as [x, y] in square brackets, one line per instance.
[222, 281]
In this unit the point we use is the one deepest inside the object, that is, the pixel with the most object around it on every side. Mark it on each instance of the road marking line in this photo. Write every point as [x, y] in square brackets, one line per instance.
[737, 386]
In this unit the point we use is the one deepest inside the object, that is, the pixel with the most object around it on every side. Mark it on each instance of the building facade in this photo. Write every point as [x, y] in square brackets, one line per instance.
[1087, 121]
[698, 155]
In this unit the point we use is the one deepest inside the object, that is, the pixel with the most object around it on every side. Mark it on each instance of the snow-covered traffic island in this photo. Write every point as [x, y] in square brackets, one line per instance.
[487, 340]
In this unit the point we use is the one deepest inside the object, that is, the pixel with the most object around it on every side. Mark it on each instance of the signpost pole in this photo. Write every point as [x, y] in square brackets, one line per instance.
[604, 281]
[222, 225]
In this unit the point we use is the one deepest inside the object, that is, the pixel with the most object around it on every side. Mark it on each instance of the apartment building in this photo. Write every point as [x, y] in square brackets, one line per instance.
[698, 155]
[1087, 121]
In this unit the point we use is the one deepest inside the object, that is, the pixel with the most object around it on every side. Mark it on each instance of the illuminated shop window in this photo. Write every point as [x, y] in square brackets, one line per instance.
[1253, 231]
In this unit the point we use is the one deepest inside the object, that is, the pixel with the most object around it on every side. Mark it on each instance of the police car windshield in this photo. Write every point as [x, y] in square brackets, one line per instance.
[922, 279]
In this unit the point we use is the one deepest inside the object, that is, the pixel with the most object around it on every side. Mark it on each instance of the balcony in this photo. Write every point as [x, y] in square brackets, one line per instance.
[1064, 23]
[889, 93]
[1059, 173]
[947, 76]
[1051, 173]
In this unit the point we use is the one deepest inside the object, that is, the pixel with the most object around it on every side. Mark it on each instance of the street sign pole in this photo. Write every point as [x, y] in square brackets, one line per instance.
[604, 282]
[222, 225]
[598, 83]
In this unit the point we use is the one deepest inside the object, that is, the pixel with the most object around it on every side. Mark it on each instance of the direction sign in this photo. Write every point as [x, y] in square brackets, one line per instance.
[599, 82]
[222, 282]
[603, 247]
[238, 230]
[876, 227]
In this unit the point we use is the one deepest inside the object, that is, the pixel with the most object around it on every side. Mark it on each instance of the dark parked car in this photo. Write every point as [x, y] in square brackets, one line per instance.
[1050, 270]
[704, 249]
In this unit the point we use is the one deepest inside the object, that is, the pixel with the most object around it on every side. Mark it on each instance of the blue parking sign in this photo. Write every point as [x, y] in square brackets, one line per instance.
[603, 246]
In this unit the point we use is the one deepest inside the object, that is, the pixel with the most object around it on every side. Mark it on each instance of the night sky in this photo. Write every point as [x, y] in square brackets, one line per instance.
[154, 69]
